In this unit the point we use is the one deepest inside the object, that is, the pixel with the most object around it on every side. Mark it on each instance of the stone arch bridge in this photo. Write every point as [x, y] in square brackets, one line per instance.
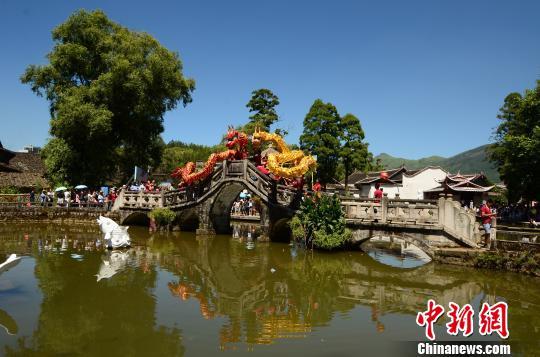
[206, 208]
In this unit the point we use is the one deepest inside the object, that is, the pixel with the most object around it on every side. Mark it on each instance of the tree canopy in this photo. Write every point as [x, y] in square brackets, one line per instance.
[321, 137]
[517, 144]
[354, 152]
[338, 142]
[108, 89]
[263, 104]
[177, 153]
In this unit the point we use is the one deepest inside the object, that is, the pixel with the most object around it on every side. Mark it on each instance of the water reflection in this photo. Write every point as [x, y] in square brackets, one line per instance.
[8, 323]
[175, 292]
[246, 233]
[112, 262]
[395, 251]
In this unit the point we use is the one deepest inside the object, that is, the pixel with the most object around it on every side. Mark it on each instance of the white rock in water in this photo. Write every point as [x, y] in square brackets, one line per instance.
[273, 270]
[10, 262]
[116, 236]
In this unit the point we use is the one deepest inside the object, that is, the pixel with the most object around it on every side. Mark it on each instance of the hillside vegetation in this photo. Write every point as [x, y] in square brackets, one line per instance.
[470, 161]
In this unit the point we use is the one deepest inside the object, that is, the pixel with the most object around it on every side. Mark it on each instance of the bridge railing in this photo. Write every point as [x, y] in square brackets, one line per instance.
[175, 197]
[262, 183]
[443, 213]
[413, 211]
[142, 200]
[366, 209]
[458, 221]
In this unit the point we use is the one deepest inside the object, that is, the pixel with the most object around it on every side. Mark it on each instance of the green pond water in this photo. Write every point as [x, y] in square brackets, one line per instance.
[178, 294]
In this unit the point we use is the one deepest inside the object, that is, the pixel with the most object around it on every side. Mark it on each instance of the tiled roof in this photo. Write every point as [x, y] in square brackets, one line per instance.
[21, 169]
[22, 179]
[374, 176]
[462, 183]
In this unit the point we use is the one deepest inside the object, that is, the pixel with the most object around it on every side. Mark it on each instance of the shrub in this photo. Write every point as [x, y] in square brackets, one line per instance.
[320, 223]
[163, 216]
[9, 190]
[524, 262]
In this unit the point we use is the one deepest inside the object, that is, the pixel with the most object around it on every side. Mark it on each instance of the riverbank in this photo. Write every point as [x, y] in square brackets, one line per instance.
[62, 215]
[523, 259]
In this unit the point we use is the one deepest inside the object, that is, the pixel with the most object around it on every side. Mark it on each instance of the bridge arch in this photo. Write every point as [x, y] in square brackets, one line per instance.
[135, 218]
[221, 205]
[280, 231]
[187, 220]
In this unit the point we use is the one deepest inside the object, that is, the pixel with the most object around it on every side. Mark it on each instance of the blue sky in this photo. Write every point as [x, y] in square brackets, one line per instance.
[424, 77]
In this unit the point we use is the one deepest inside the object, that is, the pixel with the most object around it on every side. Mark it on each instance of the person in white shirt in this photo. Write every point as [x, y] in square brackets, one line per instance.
[67, 197]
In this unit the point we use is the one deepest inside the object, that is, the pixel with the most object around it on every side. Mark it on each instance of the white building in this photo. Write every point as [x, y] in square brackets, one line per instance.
[408, 184]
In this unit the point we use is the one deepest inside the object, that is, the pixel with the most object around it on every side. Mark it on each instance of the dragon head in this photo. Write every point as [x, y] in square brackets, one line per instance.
[231, 133]
[231, 136]
[257, 138]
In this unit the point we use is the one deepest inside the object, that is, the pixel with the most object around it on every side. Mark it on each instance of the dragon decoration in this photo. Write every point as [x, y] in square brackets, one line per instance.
[285, 163]
[236, 150]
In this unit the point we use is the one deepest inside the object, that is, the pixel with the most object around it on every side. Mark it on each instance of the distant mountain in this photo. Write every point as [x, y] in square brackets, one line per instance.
[470, 161]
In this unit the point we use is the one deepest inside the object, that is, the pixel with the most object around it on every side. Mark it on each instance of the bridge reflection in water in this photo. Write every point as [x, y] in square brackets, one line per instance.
[247, 293]
[395, 251]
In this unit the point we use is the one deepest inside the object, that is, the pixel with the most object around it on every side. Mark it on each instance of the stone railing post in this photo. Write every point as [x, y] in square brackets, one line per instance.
[441, 205]
[493, 234]
[384, 207]
[162, 199]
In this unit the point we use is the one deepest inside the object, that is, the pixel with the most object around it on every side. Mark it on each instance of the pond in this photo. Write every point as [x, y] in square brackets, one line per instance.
[178, 294]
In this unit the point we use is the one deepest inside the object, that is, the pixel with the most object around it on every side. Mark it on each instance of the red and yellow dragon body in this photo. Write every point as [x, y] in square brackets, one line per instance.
[236, 150]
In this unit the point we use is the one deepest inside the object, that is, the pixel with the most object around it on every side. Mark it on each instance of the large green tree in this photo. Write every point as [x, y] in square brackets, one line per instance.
[263, 104]
[517, 144]
[321, 137]
[108, 89]
[354, 152]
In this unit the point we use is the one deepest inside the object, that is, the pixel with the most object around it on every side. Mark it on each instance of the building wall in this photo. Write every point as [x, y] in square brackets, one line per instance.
[391, 190]
[414, 186]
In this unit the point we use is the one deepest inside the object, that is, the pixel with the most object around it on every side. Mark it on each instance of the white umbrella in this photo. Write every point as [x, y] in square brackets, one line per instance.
[61, 188]
[81, 187]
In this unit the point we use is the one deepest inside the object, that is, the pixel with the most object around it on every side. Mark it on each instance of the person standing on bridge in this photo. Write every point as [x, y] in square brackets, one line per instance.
[486, 216]
[378, 193]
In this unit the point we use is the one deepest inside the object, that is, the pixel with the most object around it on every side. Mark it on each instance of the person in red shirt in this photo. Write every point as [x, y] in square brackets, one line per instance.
[486, 215]
[378, 193]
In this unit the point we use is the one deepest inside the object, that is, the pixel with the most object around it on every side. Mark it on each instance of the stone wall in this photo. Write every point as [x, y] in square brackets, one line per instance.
[53, 214]
[516, 246]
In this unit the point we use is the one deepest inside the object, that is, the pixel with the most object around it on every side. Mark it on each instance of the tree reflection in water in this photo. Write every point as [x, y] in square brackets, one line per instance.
[252, 296]
[77, 311]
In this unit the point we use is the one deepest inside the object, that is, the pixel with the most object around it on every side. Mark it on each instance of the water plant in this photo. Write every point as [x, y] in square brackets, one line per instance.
[320, 223]
[163, 217]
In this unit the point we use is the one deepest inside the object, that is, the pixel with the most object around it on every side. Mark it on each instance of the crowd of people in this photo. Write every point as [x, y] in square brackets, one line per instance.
[515, 213]
[74, 198]
[512, 213]
[146, 186]
[244, 206]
